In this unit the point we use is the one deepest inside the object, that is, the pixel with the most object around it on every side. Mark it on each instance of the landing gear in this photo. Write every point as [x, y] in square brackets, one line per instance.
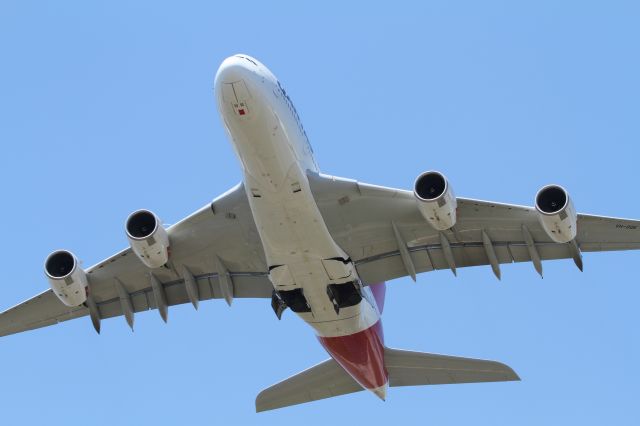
[294, 299]
[344, 295]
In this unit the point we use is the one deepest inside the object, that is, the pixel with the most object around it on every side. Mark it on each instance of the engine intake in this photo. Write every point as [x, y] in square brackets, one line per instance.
[59, 264]
[556, 213]
[430, 185]
[551, 199]
[436, 200]
[148, 238]
[67, 280]
[141, 224]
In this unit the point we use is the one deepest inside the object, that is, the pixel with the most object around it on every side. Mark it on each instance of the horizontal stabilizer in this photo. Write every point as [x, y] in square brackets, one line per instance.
[408, 368]
[321, 381]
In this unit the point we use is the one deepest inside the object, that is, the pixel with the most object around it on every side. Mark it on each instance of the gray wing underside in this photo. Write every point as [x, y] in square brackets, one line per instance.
[223, 228]
[45, 309]
[361, 216]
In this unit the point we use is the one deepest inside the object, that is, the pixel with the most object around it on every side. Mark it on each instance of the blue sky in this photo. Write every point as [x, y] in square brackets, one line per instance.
[107, 107]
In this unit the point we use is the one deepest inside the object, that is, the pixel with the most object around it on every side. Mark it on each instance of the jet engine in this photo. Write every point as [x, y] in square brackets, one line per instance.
[556, 213]
[67, 280]
[148, 238]
[436, 200]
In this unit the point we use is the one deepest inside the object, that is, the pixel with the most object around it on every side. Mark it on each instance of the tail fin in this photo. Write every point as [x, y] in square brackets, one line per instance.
[405, 368]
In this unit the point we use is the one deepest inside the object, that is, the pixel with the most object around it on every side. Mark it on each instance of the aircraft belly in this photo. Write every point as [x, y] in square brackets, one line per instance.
[294, 235]
[289, 222]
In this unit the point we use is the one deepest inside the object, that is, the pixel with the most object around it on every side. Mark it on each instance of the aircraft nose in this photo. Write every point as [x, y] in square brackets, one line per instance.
[235, 81]
[235, 68]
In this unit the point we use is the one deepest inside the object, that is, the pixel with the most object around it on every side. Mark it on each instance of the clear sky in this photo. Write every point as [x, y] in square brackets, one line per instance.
[107, 107]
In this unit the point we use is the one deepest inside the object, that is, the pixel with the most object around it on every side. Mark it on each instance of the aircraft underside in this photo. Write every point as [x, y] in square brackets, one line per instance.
[310, 273]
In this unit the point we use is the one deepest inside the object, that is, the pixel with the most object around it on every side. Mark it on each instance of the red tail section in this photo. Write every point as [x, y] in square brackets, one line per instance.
[361, 355]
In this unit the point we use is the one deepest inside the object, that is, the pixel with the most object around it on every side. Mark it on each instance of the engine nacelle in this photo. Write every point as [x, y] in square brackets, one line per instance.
[436, 200]
[148, 238]
[556, 213]
[66, 278]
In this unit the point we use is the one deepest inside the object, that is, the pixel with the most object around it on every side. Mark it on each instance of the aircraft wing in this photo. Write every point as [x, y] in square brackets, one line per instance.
[380, 228]
[362, 217]
[223, 229]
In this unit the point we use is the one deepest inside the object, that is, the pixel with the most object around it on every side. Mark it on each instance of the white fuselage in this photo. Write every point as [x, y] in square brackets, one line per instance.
[276, 156]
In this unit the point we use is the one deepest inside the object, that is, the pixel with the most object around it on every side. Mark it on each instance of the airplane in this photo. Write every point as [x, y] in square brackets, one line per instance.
[319, 245]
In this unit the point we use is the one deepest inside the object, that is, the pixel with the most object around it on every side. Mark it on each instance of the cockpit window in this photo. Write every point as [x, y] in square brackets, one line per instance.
[248, 59]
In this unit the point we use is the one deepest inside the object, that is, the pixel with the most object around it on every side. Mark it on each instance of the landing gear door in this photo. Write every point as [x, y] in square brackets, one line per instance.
[338, 269]
[281, 277]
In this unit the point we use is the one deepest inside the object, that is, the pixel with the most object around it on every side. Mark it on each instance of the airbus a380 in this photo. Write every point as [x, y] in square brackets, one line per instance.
[319, 245]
